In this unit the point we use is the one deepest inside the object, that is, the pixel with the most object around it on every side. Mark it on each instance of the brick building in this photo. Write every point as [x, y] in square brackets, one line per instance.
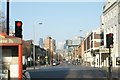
[92, 42]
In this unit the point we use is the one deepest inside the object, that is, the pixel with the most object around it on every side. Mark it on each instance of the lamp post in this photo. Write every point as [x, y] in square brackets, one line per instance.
[81, 36]
[85, 55]
[34, 45]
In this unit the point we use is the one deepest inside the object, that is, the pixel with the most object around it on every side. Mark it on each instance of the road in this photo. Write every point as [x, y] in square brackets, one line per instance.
[68, 71]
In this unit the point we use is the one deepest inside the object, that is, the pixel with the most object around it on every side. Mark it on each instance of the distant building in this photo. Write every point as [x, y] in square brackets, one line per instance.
[60, 45]
[74, 41]
[71, 45]
[53, 45]
[41, 43]
[50, 46]
[65, 46]
[82, 50]
[47, 43]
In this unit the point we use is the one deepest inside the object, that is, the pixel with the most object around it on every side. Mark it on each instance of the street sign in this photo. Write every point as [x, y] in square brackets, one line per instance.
[10, 40]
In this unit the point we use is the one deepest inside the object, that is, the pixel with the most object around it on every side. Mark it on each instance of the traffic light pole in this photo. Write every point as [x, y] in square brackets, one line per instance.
[110, 65]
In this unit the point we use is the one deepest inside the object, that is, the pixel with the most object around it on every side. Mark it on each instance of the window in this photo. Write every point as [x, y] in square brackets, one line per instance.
[112, 29]
[91, 44]
[102, 36]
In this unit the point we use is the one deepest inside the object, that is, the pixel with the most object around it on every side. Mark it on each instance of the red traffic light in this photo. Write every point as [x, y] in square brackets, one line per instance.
[111, 34]
[18, 29]
[19, 24]
[109, 40]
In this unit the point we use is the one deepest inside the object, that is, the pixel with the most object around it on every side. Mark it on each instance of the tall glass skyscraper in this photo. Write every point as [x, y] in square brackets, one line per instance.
[41, 43]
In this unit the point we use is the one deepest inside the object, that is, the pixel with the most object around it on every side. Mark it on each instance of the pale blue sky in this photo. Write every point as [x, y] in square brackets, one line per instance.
[61, 20]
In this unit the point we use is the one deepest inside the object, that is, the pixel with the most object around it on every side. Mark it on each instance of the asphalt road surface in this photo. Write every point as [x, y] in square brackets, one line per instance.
[66, 71]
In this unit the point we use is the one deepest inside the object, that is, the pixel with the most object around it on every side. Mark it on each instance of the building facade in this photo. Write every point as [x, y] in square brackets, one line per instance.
[50, 46]
[72, 47]
[95, 52]
[92, 42]
[111, 23]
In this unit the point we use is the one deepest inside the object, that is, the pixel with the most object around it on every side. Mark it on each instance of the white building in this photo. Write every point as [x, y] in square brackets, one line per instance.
[111, 24]
[92, 42]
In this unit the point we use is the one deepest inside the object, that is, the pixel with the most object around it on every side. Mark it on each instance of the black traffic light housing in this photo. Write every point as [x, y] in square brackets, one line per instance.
[109, 40]
[18, 29]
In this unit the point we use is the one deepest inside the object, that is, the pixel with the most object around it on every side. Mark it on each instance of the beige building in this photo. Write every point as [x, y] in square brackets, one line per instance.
[78, 52]
[47, 43]
[50, 45]
[81, 49]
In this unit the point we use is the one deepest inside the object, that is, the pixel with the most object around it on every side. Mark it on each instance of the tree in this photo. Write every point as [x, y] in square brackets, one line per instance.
[27, 48]
[2, 22]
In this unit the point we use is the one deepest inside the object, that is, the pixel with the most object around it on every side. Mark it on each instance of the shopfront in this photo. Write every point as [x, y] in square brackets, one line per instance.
[11, 58]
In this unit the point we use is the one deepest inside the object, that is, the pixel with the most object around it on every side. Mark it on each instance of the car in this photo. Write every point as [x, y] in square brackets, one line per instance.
[54, 63]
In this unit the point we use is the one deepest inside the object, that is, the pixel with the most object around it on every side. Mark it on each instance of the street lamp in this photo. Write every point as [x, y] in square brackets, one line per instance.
[34, 46]
[81, 30]
[83, 55]
[81, 36]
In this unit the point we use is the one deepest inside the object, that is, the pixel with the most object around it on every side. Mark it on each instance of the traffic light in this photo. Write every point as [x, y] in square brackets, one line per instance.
[18, 29]
[109, 40]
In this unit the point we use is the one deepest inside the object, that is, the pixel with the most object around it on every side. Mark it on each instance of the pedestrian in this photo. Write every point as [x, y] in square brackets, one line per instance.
[29, 62]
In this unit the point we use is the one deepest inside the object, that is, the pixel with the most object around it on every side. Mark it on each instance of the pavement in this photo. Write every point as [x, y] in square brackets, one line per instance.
[37, 67]
[115, 71]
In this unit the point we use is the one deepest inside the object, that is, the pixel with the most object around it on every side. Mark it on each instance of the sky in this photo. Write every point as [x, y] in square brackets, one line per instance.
[60, 20]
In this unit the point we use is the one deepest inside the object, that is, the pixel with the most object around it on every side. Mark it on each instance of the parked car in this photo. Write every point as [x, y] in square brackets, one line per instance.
[55, 63]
